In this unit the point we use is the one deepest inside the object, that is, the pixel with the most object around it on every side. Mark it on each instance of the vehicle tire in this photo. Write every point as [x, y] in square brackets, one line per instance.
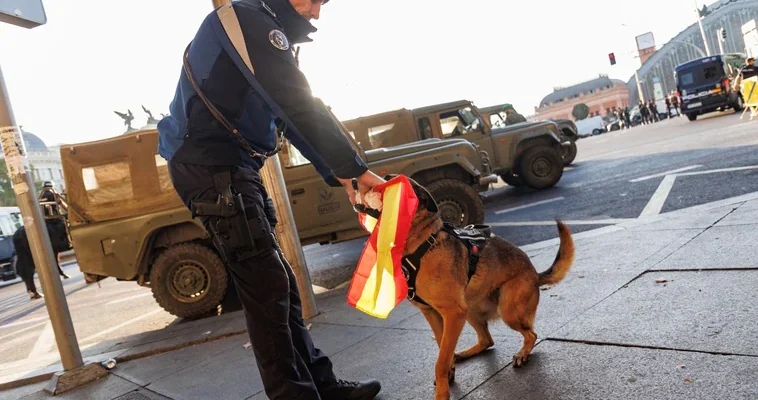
[188, 280]
[691, 116]
[739, 104]
[596, 132]
[569, 153]
[458, 203]
[541, 167]
[512, 179]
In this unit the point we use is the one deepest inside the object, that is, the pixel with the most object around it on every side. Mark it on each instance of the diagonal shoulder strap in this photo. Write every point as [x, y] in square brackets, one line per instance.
[229, 33]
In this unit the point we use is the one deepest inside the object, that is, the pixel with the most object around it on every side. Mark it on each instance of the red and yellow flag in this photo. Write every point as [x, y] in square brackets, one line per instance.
[378, 283]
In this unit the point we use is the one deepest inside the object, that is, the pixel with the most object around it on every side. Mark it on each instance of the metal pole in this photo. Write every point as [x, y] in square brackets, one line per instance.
[286, 231]
[36, 230]
[702, 31]
[639, 86]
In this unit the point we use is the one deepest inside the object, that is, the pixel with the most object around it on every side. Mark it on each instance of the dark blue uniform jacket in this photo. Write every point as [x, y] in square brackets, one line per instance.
[192, 135]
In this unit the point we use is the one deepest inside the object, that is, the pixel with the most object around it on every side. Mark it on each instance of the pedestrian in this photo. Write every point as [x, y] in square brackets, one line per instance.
[226, 118]
[645, 113]
[654, 117]
[675, 103]
[627, 119]
[25, 267]
[668, 106]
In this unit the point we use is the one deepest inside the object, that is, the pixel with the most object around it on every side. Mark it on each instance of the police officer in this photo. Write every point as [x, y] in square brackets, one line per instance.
[747, 72]
[216, 139]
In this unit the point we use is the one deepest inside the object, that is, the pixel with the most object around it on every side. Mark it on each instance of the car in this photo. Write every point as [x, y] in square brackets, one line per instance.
[704, 85]
[10, 221]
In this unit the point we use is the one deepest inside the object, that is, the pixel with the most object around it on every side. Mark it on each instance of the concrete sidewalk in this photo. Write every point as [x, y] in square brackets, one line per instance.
[658, 308]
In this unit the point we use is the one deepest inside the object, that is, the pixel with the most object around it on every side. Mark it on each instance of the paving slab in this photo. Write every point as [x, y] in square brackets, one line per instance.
[150, 369]
[699, 219]
[558, 306]
[17, 393]
[570, 371]
[108, 388]
[717, 248]
[403, 360]
[625, 250]
[744, 215]
[711, 311]
[241, 378]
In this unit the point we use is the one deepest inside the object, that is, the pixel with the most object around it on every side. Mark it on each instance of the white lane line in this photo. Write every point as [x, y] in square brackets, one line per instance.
[44, 343]
[28, 328]
[715, 171]
[119, 326]
[539, 203]
[125, 299]
[673, 171]
[24, 322]
[655, 204]
[610, 221]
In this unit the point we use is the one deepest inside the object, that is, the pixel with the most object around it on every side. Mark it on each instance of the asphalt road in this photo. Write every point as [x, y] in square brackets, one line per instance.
[617, 176]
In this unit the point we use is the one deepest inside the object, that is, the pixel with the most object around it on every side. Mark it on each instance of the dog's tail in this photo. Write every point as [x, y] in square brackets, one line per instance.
[563, 260]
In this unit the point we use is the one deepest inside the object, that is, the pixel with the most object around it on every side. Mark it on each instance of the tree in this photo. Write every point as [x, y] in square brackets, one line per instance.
[580, 111]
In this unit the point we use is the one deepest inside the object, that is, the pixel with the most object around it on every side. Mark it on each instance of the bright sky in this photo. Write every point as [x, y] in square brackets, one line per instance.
[92, 57]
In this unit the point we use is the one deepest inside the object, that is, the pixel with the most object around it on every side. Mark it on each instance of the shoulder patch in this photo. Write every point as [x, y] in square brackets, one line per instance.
[279, 39]
[267, 8]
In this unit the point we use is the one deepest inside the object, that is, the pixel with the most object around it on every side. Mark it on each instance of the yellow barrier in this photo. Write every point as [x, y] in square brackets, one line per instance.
[749, 88]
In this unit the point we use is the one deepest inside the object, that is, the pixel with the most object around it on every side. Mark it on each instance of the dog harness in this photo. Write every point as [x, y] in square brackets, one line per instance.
[475, 237]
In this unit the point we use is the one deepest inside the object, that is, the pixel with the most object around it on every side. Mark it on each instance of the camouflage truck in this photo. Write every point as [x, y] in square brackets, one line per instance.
[527, 154]
[126, 221]
[566, 127]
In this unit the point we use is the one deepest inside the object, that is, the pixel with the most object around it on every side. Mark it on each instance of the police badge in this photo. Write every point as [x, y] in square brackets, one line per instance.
[278, 39]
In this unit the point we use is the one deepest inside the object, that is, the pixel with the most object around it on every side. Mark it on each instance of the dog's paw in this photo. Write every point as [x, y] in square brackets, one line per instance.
[519, 360]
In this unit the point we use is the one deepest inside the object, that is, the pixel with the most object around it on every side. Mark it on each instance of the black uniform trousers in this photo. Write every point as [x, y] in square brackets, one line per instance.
[291, 367]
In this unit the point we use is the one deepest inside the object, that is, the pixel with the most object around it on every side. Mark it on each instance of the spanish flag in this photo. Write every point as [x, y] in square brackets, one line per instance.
[378, 283]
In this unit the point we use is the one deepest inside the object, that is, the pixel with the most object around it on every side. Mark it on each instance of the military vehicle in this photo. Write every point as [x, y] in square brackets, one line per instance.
[527, 154]
[126, 221]
[566, 127]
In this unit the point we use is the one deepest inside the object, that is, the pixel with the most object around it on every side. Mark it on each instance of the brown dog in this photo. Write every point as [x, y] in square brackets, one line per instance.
[505, 284]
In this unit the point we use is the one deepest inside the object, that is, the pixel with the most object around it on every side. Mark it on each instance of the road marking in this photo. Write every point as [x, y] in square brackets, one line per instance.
[610, 221]
[24, 322]
[28, 328]
[119, 326]
[644, 178]
[125, 299]
[539, 203]
[44, 342]
[655, 204]
[715, 171]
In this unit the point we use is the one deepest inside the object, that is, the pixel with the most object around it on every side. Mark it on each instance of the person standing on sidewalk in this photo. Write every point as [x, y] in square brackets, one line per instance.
[216, 139]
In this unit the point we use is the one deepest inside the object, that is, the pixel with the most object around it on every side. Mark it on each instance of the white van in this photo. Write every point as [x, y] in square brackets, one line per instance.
[10, 221]
[590, 126]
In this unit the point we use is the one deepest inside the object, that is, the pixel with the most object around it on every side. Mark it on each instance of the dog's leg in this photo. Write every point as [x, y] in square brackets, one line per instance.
[518, 306]
[435, 322]
[453, 321]
[484, 339]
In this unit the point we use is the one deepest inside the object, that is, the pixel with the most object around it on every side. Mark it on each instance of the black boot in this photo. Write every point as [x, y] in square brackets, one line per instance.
[344, 390]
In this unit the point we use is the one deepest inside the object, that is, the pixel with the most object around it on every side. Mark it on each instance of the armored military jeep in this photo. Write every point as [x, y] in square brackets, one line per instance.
[566, 128]
[522, 154]
[126, 221]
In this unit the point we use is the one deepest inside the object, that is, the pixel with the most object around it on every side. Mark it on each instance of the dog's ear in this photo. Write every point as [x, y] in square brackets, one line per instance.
[425, 198]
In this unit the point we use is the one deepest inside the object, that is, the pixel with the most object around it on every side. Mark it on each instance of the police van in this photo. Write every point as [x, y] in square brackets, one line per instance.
[705, 85]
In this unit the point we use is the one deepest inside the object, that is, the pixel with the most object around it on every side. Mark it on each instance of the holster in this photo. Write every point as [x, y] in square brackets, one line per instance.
[238, 232]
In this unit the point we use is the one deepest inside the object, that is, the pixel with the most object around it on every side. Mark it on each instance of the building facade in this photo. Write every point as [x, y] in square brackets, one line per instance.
[601, 95]
[657, 72]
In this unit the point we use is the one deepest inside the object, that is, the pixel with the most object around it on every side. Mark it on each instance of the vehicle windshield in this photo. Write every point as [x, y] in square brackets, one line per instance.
[700, 74]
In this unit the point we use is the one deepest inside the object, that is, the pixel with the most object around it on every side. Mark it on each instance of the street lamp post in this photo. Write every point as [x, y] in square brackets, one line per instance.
[702, 31]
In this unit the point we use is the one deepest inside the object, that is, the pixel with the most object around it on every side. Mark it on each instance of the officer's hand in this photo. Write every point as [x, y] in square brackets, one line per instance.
[365, 183]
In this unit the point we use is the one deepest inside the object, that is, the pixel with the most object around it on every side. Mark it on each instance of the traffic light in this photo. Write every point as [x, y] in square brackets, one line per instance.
[612, 57]
[723, 33]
